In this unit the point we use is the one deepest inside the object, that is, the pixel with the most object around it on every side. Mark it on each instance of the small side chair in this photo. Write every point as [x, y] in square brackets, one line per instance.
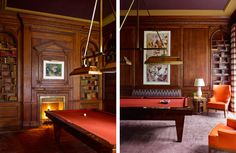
[220, 99]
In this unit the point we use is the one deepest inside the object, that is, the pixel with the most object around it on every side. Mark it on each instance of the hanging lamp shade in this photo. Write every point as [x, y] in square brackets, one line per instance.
[86, 70]
[173, 60]
[109, 68]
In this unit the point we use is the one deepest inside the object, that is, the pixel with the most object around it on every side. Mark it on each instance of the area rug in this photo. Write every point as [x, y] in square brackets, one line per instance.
[160, 136]
[40, 140]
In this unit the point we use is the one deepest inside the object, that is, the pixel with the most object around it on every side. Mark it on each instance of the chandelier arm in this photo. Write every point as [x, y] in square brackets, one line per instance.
[113, 10]
[127, 14]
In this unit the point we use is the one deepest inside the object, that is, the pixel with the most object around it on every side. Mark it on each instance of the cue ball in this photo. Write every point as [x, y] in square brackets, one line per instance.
[85, 114]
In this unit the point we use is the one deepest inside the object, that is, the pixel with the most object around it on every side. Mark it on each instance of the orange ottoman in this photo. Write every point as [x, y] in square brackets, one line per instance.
[223, 137]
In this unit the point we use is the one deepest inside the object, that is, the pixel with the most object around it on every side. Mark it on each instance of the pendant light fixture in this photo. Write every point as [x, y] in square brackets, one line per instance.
[89, 69]
[164, 59]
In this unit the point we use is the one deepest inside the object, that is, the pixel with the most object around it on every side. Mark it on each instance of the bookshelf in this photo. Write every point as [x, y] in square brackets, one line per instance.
[8, 68]
[90, 84]
[220, 48]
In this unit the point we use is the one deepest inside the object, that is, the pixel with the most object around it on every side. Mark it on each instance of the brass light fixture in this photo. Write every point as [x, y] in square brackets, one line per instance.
[164, 59]
[87, 69]
[172, 60]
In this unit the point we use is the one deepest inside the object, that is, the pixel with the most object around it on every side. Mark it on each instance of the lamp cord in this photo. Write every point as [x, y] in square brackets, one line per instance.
[90, 29]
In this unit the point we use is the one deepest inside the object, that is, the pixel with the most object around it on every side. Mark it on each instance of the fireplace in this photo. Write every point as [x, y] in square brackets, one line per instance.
[50, 103]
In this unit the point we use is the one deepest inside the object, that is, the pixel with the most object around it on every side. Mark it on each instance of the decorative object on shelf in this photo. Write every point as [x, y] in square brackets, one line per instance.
[199, 82]
[159, 42]
[53, 69]
[89, 87]
[90, 69]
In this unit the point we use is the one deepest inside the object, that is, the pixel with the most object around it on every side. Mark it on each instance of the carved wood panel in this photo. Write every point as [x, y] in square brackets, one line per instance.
[49, 51]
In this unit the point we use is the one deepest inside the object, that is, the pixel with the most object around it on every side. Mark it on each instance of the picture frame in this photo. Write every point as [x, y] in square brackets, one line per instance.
[156, 74]
[53, 70]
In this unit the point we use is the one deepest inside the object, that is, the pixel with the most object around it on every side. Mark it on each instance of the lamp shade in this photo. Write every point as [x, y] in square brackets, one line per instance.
[199, 82]
[164, 60]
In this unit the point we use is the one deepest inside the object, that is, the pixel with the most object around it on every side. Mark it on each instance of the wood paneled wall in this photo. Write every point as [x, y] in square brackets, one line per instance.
[10, 112]
[47, 38]
[109, 79]
[190, 40]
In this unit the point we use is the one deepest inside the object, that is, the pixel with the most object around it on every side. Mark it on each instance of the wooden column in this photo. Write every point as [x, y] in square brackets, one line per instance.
[2, 4]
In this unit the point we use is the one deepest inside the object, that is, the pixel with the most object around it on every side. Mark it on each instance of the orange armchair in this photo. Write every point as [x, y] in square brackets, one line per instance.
[220, 99]
[223, 137]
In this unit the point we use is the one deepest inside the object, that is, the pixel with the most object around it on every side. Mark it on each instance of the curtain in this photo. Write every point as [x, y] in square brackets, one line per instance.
[233, 69]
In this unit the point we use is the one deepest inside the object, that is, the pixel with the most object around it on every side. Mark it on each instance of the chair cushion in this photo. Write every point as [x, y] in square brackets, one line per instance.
[217, 105]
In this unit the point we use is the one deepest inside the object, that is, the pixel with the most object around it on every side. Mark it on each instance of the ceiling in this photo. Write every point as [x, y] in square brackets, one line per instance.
[83, 9]
[70, 8]
[178, 4]
[180, 7]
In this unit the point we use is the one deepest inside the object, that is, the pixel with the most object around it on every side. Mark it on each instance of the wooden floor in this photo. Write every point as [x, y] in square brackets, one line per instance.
[40, 140]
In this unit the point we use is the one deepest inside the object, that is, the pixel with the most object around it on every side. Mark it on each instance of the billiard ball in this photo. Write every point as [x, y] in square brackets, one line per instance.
[85, 114]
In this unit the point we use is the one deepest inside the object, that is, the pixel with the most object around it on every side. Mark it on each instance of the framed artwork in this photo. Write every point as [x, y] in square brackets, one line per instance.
[156, 74]
[53, 70]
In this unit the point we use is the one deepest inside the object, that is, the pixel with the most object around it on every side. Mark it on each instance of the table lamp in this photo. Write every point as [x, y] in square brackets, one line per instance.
[199, 82]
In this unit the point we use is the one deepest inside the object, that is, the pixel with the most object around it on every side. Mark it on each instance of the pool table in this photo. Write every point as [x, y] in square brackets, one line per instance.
[161, 108]
[95, 128]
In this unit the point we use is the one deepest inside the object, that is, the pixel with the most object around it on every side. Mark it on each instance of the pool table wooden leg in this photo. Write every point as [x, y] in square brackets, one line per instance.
[179, 122]
[57, 132]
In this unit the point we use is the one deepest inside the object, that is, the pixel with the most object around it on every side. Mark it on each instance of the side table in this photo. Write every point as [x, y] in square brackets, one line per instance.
[199, 104]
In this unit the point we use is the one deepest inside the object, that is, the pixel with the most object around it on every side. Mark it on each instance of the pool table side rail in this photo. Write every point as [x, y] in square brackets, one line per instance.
[95, 142]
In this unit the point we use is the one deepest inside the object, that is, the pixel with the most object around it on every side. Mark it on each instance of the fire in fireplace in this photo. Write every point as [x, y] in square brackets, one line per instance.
[50, 103]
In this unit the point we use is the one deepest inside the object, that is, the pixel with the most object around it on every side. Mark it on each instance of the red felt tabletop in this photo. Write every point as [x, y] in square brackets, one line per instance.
[101, 124]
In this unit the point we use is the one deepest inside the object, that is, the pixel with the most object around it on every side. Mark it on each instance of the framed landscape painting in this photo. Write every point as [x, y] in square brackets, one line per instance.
[53, 69]
[156, 43]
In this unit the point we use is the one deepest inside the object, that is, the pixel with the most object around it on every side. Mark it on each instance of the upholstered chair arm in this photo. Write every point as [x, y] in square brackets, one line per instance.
[231, 123]
[227, 138]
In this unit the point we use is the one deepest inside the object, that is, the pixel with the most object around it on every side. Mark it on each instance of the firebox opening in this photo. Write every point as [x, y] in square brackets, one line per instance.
[50, 103]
